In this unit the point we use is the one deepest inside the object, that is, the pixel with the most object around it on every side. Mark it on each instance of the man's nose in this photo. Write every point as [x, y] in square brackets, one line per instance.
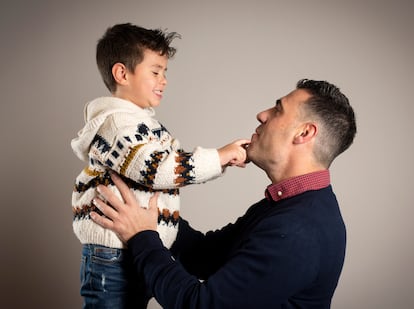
[261, 117]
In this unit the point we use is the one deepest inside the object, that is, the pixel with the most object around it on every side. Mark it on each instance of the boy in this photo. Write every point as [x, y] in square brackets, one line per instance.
[122, 135]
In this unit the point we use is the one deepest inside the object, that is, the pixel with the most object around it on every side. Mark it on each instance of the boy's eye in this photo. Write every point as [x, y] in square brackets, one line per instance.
[155, 73]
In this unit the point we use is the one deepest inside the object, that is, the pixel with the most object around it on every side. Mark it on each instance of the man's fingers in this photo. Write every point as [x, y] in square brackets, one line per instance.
[110, 197]
[105, 209]
[123, 189]
[101, 220]
[153, 201]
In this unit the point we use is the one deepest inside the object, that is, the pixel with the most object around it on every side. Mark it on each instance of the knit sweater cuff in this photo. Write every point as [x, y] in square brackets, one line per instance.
[207, 164]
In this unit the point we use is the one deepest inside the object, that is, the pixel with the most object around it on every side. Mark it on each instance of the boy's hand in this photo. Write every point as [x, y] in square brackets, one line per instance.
[234, 153]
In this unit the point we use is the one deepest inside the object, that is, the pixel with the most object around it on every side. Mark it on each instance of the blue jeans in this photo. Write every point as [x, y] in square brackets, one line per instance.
[109, 280]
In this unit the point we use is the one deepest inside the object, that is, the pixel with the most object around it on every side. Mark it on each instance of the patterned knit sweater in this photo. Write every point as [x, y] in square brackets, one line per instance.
[120, 136]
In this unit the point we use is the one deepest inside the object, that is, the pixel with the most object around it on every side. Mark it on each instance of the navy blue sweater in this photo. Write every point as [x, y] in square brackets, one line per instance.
[285, 254]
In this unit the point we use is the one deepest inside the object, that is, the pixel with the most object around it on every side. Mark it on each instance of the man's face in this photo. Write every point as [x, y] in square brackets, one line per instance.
[272, 142]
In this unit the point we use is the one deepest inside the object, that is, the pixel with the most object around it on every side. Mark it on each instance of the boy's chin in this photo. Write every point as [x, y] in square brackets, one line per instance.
[154, 104]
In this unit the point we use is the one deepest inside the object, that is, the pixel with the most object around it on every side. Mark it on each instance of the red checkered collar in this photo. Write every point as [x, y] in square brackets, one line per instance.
[297, 185]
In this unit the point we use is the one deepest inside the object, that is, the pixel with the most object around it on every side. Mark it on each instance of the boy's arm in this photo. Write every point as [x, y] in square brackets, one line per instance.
[153, 158]
[165, 169]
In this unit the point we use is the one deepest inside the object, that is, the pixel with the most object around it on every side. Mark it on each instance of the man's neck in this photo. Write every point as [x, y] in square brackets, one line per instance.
[294, 171]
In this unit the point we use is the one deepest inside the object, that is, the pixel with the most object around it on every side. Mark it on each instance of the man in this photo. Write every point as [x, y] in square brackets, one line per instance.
[287, 250]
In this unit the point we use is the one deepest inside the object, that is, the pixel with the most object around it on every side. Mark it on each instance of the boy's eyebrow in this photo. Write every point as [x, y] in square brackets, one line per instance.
[158, 66]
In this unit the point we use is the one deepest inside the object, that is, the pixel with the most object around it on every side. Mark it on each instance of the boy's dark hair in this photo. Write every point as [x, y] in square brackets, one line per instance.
[331, 108]
[125, 43]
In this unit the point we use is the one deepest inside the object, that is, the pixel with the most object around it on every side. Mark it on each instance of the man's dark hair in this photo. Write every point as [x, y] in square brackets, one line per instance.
[126, 43]
[331, 108]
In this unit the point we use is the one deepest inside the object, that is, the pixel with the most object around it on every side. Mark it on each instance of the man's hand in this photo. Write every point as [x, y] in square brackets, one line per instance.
[126, 218]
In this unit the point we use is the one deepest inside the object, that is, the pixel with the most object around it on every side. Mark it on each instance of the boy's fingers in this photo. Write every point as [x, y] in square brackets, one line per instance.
[243, 142]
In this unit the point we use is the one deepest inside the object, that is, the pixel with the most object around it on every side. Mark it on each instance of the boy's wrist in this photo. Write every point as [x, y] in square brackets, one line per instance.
[223, 157]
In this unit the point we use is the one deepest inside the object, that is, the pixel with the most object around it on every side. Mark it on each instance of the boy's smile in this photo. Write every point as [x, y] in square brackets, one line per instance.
[145, 86]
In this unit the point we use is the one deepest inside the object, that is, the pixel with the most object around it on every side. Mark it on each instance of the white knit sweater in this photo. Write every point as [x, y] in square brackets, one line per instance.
[120, 136]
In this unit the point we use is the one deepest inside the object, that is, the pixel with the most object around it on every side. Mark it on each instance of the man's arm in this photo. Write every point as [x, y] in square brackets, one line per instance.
[263, 272]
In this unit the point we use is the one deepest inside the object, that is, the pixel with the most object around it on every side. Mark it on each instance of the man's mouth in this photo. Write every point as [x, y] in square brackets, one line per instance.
[253, 137]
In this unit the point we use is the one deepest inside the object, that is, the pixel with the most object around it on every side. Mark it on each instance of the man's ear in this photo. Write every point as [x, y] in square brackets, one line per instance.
[119, 72]
[306, 132]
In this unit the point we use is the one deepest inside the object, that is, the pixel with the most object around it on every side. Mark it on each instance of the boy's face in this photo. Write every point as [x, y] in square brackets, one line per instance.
[145, 86]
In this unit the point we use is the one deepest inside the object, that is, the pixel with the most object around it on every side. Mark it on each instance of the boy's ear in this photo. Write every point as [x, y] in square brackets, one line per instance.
[305, 133]
[119, 73]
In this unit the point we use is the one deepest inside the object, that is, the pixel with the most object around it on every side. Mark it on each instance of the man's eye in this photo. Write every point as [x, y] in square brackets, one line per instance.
[155, 73]
[278, 105]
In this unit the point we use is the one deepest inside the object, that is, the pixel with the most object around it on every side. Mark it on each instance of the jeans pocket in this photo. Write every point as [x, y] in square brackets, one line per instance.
[109, 279]
[103, 255]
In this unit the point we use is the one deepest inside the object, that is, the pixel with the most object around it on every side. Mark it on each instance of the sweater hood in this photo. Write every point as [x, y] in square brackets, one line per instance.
[95, 113]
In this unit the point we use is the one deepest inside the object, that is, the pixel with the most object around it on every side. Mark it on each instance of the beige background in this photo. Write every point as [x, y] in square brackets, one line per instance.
[234, 59]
